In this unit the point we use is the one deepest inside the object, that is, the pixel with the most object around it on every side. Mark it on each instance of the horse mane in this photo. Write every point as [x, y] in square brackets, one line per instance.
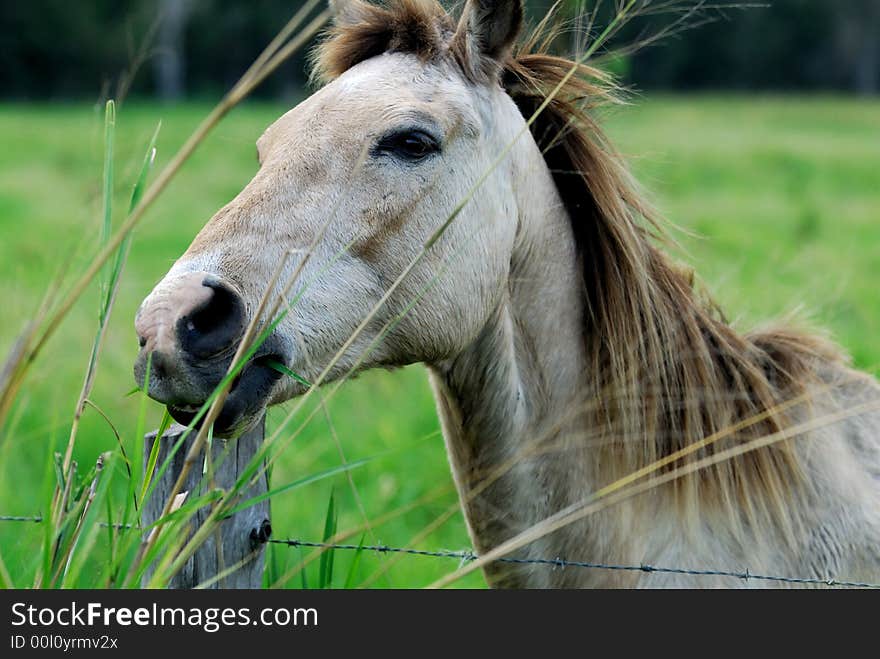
[666, 370]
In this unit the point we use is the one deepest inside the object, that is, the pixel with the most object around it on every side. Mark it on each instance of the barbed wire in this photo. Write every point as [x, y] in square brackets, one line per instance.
[555, 563]
[559, 563]
[38, 519]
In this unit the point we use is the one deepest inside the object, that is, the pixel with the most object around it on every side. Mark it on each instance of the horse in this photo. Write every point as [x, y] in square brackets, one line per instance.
[450, 199]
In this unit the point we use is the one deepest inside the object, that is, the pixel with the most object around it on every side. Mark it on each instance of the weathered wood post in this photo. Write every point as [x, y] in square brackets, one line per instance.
[242, 537]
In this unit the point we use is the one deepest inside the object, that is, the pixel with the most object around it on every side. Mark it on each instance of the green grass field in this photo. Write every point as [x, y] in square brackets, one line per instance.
[781, 197]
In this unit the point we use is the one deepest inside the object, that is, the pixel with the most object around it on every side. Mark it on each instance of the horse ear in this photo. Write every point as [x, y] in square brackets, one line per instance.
[490, 27]
[348, 12]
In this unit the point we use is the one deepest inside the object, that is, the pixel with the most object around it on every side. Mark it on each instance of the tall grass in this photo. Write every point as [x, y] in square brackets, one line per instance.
[75, 500]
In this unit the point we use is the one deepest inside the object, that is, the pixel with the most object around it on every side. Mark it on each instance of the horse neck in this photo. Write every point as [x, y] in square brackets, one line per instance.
[506, 398]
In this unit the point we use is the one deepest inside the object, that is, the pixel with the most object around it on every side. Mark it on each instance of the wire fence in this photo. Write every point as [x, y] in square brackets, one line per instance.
[553, 563]
[36, 519]
[559, 563]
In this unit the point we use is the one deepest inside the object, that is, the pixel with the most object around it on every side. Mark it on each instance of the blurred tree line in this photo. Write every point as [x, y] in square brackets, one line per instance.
[178, 48]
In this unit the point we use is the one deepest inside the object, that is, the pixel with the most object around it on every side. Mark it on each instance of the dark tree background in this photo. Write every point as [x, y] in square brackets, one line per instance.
[788, 45]
[56, 49]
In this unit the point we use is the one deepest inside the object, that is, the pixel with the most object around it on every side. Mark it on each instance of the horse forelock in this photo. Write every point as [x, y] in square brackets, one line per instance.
[420, 27]
[667, 370]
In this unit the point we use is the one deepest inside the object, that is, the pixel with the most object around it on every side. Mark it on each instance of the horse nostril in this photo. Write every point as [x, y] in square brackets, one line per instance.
[215, 325]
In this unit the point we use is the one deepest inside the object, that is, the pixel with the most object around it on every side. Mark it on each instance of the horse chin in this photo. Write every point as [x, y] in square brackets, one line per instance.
[228, 424]
[245, 404]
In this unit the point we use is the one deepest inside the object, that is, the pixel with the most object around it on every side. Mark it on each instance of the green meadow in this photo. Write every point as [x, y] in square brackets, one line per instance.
[775, 202]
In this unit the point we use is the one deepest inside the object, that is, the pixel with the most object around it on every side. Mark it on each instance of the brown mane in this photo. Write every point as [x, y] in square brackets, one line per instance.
[666, 370]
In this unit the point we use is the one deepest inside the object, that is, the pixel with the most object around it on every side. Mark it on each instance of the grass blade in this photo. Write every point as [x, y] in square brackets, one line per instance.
[355, 563]
[136, 194]
[325, 570]
[154, 453]
[106, 224]
[281, 368]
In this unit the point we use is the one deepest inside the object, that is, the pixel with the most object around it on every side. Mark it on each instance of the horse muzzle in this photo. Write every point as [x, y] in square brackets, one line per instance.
[188, 330]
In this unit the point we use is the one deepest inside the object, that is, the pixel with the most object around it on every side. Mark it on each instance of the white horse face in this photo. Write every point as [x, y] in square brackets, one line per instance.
[378, 160]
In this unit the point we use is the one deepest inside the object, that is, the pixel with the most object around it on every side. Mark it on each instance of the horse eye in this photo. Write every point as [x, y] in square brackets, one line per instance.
[411, 145]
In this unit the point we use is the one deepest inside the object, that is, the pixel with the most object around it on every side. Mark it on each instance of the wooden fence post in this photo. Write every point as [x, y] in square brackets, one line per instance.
[242, 537]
